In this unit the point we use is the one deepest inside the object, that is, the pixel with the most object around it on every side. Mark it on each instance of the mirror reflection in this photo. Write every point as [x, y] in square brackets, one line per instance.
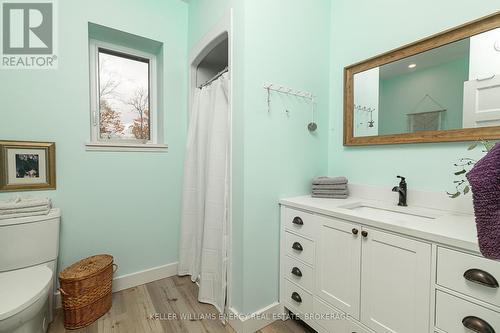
[451, 87]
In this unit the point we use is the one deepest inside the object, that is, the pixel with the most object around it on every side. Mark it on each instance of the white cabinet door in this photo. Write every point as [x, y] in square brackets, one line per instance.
[338, 265]
[395, 283]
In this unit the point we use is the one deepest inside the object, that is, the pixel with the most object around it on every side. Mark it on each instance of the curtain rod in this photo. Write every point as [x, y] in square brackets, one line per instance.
[218, 75]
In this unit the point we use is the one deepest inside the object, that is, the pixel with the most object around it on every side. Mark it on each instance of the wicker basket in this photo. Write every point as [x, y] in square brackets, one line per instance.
[86, 290]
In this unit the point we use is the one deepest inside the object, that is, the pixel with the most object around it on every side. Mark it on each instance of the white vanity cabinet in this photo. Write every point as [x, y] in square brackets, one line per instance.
[355, 276]
[379, 280]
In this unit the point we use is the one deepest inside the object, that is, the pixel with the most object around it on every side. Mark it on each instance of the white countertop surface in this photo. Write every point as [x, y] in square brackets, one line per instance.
[447, 228]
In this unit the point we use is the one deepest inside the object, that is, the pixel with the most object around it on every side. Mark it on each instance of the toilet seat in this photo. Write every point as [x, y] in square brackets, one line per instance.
[21, 288]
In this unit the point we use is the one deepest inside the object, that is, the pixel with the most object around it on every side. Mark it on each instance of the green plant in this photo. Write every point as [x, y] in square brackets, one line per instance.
[464, 165]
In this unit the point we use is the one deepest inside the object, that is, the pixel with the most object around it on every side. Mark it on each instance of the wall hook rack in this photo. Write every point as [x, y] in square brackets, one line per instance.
[288, 91]
[312, 126]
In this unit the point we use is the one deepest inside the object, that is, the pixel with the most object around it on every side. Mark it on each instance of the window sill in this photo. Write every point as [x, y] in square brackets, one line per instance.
[105, 146]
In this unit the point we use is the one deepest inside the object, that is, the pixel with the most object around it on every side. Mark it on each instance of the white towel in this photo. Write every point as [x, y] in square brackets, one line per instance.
[19, 203]
[14, 216]
[24, 210]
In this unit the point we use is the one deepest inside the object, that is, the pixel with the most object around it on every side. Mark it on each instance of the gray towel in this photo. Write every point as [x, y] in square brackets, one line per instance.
[329, 181]
[329, 187]
[328, 196]
[330, 192]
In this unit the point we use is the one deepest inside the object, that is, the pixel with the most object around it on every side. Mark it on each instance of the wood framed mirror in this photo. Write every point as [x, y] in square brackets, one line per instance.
[440, 89]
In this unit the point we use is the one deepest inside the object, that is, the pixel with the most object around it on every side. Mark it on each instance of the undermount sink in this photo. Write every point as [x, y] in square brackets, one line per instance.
[390, 213]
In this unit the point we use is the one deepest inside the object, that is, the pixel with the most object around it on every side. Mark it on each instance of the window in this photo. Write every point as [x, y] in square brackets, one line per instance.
[123, 97]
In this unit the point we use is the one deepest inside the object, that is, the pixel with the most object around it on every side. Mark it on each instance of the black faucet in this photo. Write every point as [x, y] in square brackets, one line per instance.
[402, 189]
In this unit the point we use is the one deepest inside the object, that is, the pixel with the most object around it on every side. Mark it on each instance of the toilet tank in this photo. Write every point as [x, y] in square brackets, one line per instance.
[29, 241]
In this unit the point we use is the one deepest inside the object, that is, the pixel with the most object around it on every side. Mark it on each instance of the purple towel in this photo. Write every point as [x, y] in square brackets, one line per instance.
[484, 179]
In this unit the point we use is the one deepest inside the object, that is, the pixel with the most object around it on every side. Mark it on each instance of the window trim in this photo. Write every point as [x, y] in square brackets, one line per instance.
[96, 142]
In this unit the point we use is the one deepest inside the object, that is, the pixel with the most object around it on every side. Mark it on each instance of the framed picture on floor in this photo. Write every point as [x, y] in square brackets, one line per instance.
[26, 165]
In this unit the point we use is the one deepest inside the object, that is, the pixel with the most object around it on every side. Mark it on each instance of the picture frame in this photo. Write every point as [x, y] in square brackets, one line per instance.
[27, 166]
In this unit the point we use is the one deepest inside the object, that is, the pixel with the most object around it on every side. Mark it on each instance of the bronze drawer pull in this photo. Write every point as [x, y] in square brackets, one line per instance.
[296, 271]
[296, 297]
[481, 277]
[478, 325]
[298, 221]
[296, 246]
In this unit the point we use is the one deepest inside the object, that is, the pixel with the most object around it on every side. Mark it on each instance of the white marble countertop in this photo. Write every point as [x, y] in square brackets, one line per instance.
[446, 228]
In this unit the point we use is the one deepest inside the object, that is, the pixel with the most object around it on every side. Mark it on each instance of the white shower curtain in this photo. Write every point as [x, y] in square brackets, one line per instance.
[204, 230]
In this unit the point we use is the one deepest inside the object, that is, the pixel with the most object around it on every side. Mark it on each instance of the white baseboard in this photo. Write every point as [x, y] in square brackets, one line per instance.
[257, 320]
[136, 279]
[142, 277]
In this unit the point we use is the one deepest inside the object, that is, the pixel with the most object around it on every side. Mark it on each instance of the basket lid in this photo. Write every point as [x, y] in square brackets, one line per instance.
[86, 267]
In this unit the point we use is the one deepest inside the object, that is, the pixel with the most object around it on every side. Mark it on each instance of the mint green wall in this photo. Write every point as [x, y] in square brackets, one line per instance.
[401, 94]
[361, 29]
[274, 155]
[287, 43]
[123, 203]
[204, 15]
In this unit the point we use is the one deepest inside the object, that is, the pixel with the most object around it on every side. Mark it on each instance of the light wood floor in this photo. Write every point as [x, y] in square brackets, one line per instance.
[132, 310]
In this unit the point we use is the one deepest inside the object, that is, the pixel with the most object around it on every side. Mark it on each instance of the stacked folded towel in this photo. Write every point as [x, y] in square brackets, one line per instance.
[327, 187]
[23, 207]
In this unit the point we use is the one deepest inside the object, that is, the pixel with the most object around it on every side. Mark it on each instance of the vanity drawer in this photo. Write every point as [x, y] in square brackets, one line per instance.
[451, 311]
[299, 247]
[298, 221]
[452, 266]
[327, 317]
[299, 273]
[299, 300]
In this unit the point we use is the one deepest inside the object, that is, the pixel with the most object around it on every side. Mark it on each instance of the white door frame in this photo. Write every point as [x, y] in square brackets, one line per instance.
[223, 29]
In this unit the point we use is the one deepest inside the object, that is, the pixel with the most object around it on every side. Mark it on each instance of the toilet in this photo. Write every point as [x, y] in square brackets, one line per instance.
[28, 261]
